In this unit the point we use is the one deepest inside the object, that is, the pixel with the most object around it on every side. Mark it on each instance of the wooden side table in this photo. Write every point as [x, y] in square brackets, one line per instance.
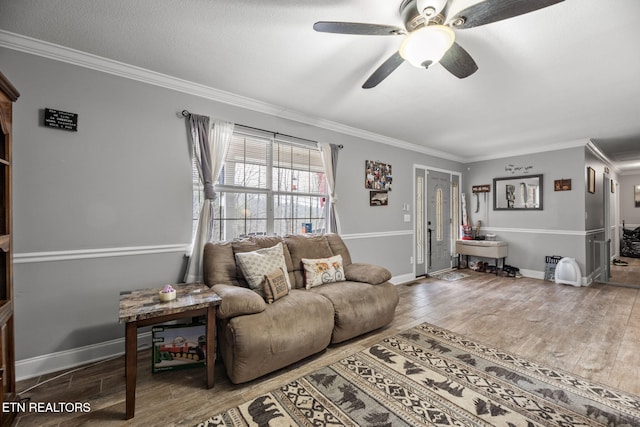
[143, 308]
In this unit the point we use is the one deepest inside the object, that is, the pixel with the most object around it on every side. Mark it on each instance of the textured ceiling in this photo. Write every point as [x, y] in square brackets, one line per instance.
[551, 78]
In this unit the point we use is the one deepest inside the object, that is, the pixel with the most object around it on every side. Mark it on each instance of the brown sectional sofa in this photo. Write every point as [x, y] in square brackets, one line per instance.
[256, 338]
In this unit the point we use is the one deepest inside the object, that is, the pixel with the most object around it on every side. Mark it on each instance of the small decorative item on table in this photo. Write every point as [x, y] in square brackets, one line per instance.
[167, 293]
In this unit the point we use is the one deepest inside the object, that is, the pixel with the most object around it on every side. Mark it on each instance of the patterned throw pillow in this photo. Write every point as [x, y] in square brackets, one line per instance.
[323, 270]
[275, 285]
[254, 265]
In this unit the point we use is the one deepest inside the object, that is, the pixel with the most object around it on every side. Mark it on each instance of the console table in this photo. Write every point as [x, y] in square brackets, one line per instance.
[143, 308]
[483, 249]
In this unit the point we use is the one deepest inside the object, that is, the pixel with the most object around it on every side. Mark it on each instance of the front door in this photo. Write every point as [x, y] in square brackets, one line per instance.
[420, 222]
[439, 221]
[435, 219]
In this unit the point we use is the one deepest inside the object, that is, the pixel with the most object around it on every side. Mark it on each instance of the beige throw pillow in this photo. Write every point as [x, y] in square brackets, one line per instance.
[275, 285]
[323, 270]
[254, 265]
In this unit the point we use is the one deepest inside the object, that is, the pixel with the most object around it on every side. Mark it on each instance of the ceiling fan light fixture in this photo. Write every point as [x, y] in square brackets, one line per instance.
[427, 45]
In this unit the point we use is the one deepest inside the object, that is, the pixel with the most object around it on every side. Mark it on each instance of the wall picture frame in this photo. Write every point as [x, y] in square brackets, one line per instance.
[591, 180]
[378, 176]
[378, 198]
[562, 185]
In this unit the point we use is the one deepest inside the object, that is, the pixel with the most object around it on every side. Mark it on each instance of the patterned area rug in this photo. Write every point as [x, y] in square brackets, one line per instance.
[430, 376]
[450, 276]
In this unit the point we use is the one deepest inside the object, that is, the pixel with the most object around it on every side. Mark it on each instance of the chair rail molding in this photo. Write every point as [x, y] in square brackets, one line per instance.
[68, 255]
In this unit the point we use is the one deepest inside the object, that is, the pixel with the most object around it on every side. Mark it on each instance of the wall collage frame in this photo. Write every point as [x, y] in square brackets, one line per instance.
[378, 179]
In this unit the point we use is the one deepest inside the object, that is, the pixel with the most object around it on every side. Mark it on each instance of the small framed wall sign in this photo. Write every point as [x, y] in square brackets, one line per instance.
[60, 120]
[591, 180]
[562, 185]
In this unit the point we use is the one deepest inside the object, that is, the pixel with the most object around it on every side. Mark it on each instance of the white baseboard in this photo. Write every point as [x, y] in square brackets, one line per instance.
[533, 274]
[403, 278]
[66, 359]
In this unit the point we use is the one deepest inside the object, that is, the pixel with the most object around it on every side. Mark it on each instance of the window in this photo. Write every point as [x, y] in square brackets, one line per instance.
[268, 185]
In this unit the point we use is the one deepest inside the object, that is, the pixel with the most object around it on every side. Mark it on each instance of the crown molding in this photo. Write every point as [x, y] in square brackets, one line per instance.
[60, 53]
[598, 153]
[532, 149]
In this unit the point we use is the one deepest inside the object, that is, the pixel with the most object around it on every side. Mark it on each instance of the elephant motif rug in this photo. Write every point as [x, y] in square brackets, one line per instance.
[431, 376]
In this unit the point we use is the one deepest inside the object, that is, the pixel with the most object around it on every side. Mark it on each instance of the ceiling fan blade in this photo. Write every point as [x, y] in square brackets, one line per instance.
[458, 62]
[490, 11]
[358, 28]
[384, 70]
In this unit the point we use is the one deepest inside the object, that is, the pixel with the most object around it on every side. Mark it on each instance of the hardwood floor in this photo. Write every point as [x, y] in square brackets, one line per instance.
[626, 274]
[593, 332]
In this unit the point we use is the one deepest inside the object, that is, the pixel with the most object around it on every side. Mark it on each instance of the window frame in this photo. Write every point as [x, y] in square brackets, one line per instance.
[269, 191]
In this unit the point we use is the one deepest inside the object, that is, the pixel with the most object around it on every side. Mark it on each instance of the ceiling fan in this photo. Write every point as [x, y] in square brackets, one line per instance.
[429, 36]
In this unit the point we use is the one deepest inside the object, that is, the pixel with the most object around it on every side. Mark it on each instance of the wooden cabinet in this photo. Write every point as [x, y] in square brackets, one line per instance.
[8, 95]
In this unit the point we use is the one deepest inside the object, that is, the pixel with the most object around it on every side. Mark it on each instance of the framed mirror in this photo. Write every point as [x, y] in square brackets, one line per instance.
[515, 193]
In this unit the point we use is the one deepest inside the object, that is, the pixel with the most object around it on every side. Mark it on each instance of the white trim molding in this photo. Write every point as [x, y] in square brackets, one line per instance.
[29, 257]
[403, 278]
[72, 358]
[71, 255]
[594, 231]
[536, 231]
[376, 234]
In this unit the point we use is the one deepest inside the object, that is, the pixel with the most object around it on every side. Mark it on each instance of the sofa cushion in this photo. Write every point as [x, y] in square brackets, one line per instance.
[219, 264]
[323, 270]
[237, 301]
[368, 273]
[275, 285]
[254, 265]
[312, 246]
[287, 331]
[338, 247]
[358, 307]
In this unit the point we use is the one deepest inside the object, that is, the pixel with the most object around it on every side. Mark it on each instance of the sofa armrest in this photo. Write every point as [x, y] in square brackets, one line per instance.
[237, 301]
[367, 273]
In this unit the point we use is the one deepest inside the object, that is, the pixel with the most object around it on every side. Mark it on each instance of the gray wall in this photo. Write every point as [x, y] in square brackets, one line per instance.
[558, 229]
[123, 182]
[594, 215]
[101, 205]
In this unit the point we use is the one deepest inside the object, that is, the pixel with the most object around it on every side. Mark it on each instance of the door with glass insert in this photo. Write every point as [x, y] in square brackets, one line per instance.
[438, 220]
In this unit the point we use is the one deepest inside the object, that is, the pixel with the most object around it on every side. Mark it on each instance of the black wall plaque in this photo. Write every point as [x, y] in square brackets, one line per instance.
[60, 119]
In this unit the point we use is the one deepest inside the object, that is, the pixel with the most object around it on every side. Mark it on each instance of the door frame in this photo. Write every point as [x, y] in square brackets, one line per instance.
[451, 173]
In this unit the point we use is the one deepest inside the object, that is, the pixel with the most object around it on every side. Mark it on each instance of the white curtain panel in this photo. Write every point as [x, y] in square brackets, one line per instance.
[329, 153]
[210, 139]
